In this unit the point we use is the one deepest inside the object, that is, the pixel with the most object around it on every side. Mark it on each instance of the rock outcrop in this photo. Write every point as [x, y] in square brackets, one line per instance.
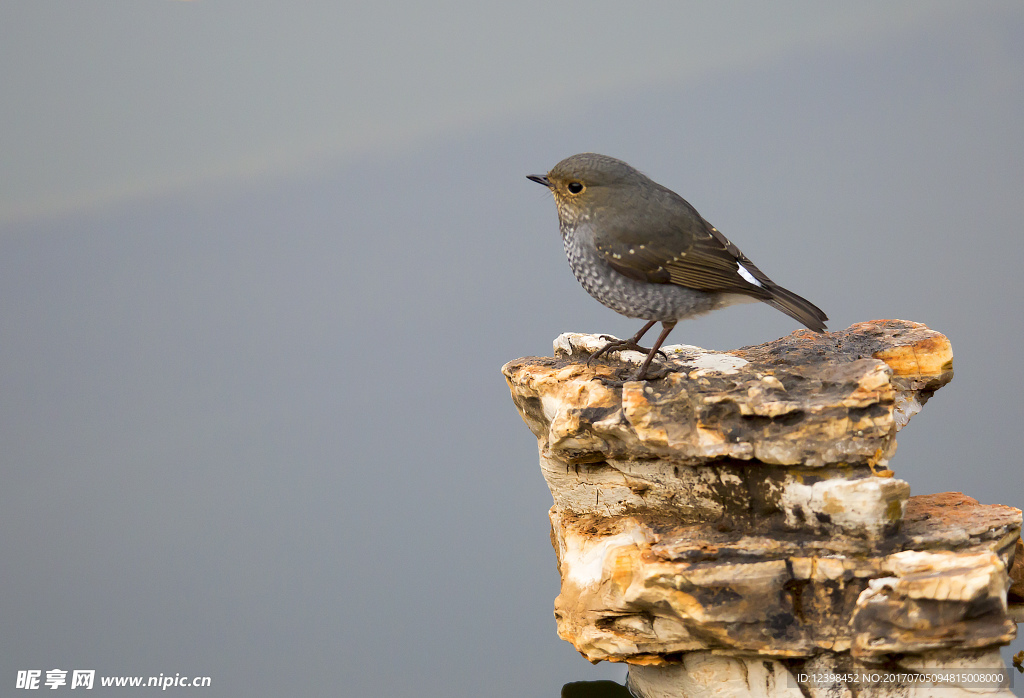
[739, 515]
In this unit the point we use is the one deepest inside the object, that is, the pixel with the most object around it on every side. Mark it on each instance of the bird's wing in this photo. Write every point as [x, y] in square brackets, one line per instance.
[687, 250]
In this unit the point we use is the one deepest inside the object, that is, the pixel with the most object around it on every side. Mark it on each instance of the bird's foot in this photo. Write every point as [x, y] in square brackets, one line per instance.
[620, 345]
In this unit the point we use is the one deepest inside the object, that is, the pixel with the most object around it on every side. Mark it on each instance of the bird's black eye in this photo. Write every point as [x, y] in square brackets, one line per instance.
[575, 187]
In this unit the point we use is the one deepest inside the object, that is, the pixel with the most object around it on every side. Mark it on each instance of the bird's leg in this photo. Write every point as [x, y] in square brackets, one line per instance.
[642, 373]
[630, 343]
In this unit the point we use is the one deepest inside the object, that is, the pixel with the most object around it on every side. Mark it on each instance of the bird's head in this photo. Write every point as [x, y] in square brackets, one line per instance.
[584, 183]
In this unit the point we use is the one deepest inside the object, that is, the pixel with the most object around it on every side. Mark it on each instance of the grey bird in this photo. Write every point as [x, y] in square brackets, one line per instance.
[644, 251]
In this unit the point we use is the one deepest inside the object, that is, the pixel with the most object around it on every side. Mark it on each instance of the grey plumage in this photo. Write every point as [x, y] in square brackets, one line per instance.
[644, 251]
[632, 297]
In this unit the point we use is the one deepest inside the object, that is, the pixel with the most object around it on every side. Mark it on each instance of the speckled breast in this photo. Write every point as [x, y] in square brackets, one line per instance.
[632, 298]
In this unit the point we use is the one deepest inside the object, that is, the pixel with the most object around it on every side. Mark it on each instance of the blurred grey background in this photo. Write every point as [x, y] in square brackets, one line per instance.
[261, 263]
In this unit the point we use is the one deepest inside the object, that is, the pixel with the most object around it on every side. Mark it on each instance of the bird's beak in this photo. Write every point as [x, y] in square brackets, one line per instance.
[540, 179]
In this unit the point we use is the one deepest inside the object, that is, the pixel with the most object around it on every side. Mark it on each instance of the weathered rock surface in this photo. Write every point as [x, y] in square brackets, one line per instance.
[785, 436]
[739, 513]
[637, 588]
[807, 399]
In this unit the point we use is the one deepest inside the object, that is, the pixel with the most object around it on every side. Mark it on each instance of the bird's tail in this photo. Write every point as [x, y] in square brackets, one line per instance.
[800, 309]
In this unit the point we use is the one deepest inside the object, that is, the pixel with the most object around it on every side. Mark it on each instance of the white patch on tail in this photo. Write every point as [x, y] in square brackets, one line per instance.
[748, 276]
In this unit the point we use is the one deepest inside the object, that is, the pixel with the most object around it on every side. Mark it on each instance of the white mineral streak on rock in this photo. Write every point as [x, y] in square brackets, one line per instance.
[877, 589]
[584, 558]
[706, 362]
[907, 405]
[570, 344]
[945, 576]
[575, 343]
[869, 506]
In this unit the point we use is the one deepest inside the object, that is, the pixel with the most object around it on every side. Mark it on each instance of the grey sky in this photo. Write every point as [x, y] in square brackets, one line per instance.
[111, 98]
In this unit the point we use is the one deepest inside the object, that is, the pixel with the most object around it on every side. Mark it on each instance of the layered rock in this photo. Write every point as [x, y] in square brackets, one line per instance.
[743, 506]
